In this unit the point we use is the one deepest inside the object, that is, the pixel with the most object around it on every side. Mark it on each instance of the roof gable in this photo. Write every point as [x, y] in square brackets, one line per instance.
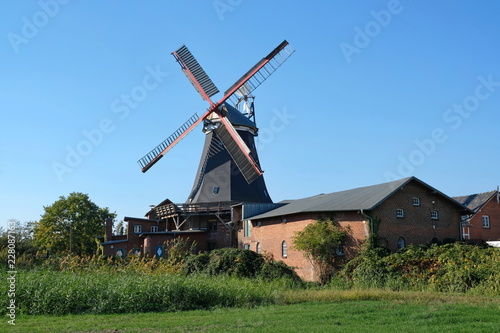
[476, 201]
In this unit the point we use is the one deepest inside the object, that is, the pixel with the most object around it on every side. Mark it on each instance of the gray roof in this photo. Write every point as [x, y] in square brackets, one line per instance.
[475, 201]
[362, 198]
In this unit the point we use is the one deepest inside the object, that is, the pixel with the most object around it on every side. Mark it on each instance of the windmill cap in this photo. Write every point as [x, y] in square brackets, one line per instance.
[237, 118]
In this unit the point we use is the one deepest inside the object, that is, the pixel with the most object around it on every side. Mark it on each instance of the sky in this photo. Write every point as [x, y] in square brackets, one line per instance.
[375, 91]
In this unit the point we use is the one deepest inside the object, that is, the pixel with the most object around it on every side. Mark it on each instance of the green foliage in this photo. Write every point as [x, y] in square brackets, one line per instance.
[319, 242]
[60, 293]
[71, 225]
[447, 268]
[242, 278]
[21, 234]
[178, 249]
[366, 269]
[240, 263]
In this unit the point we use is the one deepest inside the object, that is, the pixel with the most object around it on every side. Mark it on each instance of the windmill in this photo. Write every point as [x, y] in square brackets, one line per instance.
[229, 167]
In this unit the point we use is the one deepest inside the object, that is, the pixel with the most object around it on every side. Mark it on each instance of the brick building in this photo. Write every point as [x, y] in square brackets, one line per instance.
[402, 212]
[207, 224]
[484, 224]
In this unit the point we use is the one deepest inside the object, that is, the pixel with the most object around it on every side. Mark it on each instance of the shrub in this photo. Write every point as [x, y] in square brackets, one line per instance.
[239, 263]
[447, 268]
[319, 242]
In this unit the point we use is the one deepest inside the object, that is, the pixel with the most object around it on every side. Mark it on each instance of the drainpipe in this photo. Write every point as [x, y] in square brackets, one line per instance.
[371, 221]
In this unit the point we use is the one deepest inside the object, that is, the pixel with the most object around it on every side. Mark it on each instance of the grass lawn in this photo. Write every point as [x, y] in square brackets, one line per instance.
[403, 313]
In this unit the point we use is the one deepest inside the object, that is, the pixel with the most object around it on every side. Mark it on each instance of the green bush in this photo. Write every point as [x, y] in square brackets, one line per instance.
[239, 263]
[447, 268]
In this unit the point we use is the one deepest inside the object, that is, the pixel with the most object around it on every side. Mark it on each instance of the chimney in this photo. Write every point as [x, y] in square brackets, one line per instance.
[109, 229]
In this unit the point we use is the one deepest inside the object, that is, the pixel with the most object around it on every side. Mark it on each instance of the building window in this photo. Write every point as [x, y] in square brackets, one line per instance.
[247, 228]
[136, 252]
[212, 226]
[120, 253]
[416, 201]
[246, 246]
[215, 190]
[465, 233]
[400, 213]
[486, 221]
[434, 214]
[401, 243]
[154, 228]
[283, 219]
[137, 229]
[257, 248]
[284, 249]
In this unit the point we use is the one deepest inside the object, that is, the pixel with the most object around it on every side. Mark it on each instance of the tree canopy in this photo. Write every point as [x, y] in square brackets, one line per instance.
[71, 224]
[319, 241]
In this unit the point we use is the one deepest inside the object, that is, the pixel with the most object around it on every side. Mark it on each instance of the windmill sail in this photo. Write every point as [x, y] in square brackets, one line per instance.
[157, 153]
[258, 73]
[196, 75]
[238, 150]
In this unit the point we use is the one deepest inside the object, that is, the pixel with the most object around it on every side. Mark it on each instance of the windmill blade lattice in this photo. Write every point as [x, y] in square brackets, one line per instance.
[154, 155]
[239, 151]
[201, 79]
[259, 73]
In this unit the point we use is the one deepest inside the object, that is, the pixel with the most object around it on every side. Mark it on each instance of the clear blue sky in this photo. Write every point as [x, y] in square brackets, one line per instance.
[376, 90]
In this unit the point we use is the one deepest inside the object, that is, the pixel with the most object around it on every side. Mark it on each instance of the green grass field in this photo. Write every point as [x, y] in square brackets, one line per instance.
[333, 311]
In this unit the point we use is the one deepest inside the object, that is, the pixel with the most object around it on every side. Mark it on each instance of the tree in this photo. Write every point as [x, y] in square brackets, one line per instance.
[319, 242]
[120, 228]
[70, 225]
[22, 233]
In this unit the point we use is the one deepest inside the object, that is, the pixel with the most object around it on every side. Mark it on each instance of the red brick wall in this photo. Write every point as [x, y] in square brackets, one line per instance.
[416, 226]
[151, 241]
[110, 250]
[477, 232]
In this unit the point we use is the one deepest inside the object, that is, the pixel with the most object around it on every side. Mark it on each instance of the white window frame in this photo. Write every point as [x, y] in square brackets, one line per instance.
[246, 231]
[400, 213]
[137, 228]
[416, 201]
[154, 228]
[434, 215]
[486, 221]
[284, 249]
[465, 233]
